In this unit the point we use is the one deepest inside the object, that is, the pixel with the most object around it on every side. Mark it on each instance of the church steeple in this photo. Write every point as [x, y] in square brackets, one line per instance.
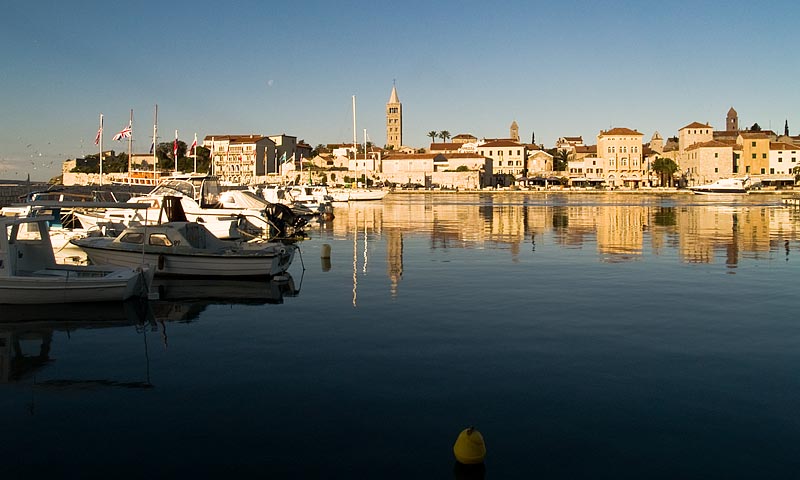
[732, 121]
[394, 121]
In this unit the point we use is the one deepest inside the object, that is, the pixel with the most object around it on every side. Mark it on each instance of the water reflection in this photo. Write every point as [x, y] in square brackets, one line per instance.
[27, 332]
[621, 228]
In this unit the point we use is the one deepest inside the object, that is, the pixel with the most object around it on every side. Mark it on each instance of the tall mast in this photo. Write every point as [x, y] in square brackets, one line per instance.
[101, 149]
[355, 139]
[130, 146]
[155, 144]
[365, 158]
[175, 152]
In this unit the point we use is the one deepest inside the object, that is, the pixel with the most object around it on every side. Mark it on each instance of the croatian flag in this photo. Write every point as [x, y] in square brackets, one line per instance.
[124, 133]
[175, 145]
[193, 148]
[97, 137]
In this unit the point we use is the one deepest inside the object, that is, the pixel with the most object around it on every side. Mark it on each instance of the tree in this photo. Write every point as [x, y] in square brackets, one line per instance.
[433, 134]
[444, 135]
[665, 168]
[561, 160]
[755, 128]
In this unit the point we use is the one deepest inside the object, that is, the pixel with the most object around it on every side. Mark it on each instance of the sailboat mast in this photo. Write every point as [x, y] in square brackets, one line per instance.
[365, 158]
[101, 149]
[155, 144]
[355, 140]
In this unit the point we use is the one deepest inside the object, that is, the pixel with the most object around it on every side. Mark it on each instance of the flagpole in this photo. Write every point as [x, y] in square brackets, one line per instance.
[194, 153]
[211, 157]
[130, 147]
[101, 149]
[175, 152]
[155, 146]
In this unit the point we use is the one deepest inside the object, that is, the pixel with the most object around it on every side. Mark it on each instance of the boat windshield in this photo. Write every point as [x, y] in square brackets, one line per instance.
[211, 191]
[170, 187]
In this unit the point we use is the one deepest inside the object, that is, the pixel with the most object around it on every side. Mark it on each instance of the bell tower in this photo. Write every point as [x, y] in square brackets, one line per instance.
[732, 121]
[394, 121]
[514, 131]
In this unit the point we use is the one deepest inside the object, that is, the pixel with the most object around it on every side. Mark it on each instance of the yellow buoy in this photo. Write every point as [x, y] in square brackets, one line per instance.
[326, 251]
[469, 448]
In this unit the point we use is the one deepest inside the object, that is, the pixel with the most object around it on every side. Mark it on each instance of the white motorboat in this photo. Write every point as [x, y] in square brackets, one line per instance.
[357, 194]
[723, 186]
[201, 201]
[188, 249]
[29, 273]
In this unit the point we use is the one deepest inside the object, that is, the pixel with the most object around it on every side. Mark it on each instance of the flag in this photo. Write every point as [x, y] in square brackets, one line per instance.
[283, 158]
[193, 148]
[124, 133]
[97, 137]
[175, 145]
[152, 146]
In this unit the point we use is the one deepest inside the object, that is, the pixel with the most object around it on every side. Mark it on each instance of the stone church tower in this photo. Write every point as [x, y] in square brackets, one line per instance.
[732, 122]
[394, 121]
[514, 131]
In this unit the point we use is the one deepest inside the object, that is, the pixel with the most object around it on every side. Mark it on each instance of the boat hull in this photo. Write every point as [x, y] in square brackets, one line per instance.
[195, 265]
[70, 286]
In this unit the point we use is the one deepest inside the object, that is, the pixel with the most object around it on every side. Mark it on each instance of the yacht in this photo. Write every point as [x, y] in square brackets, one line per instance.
[724, 186]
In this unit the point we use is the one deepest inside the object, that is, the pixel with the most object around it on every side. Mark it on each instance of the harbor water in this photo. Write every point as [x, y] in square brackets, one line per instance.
[584, 335]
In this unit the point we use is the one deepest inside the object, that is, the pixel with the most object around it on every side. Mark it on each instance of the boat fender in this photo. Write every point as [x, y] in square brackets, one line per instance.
[469, 448]
[161, 262]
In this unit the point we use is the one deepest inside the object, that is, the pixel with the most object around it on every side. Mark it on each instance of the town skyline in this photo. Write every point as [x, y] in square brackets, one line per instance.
[557, 70]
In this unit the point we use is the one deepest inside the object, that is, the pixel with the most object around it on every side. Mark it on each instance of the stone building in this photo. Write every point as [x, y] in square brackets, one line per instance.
[394, 121]
[621, 151]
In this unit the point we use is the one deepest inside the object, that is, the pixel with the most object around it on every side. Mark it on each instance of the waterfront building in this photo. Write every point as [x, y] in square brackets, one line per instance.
[755, 153]
[450, 147]
[286, 150]
[539, 163]
[656, 143]
[394, 121]
[783, 159]
[463, 170]
[621, 151]
[508, 157]
[241, 159]
[707, 162]
[586, 171]
[569, 143]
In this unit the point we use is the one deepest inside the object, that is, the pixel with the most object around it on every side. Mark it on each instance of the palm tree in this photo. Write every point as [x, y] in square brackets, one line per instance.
[562, 158]
[433, 135]
[444, 135]
[665, 168]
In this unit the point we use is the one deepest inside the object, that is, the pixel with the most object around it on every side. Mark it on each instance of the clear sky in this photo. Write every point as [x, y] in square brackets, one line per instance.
[267, 67]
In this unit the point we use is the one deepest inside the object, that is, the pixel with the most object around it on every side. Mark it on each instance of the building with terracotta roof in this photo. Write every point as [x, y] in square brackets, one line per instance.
[569, 143]
[783, 158]
[707, 162]
[695, 132]
[464, 138]
[508, 157]
[464, 170]
[449, 147]
[241, 159]
[394, 121]
[755, 153]
[621, 151]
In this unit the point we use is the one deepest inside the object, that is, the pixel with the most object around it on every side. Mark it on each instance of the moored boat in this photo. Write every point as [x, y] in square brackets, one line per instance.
[29, 273]
[723, 185]
[188, 249]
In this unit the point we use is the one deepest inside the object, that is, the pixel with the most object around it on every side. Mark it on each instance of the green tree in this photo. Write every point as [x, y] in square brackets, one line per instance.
[462, 168]
[433, 134]
[444, 135]
[755, 128]
[665, 168]
[561, 160]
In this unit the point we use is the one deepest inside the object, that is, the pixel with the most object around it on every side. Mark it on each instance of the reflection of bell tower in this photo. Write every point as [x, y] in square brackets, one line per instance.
[732, 122]
[394, 121]
[514, 131]
[394, 260]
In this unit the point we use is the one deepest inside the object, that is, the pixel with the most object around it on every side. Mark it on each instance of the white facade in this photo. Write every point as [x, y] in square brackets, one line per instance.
[783, 158]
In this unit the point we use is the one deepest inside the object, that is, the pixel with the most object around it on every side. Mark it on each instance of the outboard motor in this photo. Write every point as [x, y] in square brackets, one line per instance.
[284, 219]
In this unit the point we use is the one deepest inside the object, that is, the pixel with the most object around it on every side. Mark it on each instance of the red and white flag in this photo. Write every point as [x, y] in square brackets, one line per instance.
[124, 133]
[99, 131]
[175, 145]
[193, 148]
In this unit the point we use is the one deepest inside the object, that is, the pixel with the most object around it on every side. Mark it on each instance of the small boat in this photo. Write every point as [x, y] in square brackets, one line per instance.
[188, 249]
[723, 185]
[29, 273]
[357, 194]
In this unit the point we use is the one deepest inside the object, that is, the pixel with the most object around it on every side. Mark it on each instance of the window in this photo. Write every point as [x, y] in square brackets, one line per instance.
[753, 144]
[763, 155]
[594, 162]
[624, 162]
[794, 159]
[132, 237]
[771, 171]
[780, 159]
[762, 171]
[716, 170]
[747, 169]
[609, 149]
[754, 156]
[716, 154]
[160, 239]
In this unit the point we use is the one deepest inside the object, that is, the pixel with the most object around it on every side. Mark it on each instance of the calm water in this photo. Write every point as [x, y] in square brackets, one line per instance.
[586, 336]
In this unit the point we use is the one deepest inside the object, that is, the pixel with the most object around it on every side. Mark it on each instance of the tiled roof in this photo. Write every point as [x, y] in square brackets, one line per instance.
[501, 143]
[446, 146]
[695, 125]
[709, 144]
[756, 135]
[618, 131]
[586, 149]
[235, 138]
[782, 146]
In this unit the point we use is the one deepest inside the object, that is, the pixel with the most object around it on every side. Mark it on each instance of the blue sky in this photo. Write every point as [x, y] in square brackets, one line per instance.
[556, 68]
